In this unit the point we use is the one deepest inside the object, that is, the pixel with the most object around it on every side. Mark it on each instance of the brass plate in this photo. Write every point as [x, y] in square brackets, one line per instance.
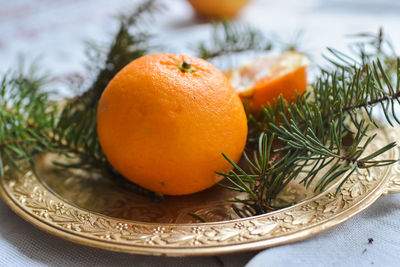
[89, 210]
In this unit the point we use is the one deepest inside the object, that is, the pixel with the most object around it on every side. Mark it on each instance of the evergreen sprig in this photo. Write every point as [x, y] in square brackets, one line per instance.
[77, 123]
[325, 129]
[231, 38]
[30, 123]
[130, 42]
[268, 173]
[26, 118]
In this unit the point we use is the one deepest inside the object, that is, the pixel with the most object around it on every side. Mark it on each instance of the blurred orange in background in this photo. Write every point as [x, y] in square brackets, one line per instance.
[218, 9]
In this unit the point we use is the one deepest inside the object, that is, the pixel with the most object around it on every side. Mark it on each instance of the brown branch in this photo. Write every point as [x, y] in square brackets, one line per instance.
[370, 103]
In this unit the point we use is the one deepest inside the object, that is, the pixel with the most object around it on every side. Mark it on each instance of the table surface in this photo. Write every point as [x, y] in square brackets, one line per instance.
[55, 32]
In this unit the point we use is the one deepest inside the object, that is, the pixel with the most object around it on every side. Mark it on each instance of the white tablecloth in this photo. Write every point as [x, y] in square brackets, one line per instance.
[55, 31]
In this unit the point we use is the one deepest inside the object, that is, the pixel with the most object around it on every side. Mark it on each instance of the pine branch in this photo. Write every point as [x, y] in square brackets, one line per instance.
[130, 42]
[360, 88]
[268, 174]
[76, 126]
[313, 132]
[231, 38]
[30, 123]
[26, 117]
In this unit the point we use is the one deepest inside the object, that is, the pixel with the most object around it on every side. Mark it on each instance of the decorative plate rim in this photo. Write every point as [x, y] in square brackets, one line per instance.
[31, 200]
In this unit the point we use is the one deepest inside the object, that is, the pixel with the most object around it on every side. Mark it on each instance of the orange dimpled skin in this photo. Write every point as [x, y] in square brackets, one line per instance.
[164, 126]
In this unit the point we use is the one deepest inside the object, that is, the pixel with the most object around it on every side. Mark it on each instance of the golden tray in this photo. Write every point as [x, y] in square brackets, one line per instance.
[90, 210]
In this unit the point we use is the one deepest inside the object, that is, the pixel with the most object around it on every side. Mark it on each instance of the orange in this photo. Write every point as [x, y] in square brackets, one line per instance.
[218, 8]
[164, 120]
[265, 79]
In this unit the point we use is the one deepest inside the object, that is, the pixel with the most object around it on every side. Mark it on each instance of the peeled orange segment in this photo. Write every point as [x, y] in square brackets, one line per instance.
[263, 80]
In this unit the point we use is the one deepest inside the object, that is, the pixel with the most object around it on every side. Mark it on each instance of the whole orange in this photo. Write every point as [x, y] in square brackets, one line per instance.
[218, 8]
[164, 120]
